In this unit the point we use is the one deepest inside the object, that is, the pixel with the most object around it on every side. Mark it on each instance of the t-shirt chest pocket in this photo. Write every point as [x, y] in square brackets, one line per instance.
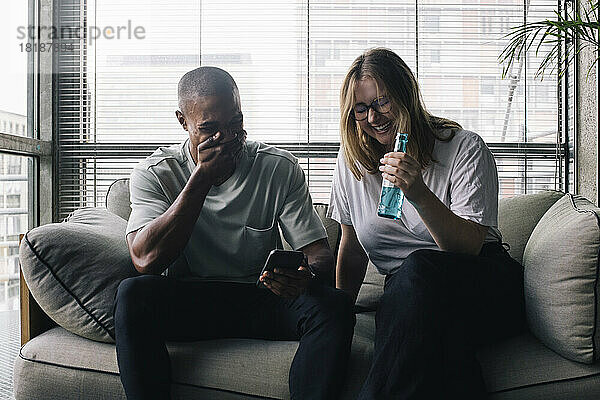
[258, 242]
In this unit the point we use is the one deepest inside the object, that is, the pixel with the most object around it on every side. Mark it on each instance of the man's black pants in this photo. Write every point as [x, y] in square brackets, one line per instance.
[436, 310]
[151, 310]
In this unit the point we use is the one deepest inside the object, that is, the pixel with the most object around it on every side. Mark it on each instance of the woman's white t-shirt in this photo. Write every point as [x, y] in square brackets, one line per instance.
[464, 178]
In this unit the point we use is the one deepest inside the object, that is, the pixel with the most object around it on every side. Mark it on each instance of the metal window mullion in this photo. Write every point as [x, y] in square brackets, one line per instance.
[24, 146]
[417, 40]
[575, 98]
[308, 85]
[525, 11]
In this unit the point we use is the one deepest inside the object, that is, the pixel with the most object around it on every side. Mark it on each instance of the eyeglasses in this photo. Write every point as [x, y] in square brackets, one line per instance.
[381, 105]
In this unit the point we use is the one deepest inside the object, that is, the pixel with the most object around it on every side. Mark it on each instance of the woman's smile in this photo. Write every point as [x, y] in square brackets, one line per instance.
[382, 128]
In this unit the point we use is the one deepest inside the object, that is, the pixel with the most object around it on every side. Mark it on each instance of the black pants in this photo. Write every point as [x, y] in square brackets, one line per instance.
[150, 310]
[436, 310]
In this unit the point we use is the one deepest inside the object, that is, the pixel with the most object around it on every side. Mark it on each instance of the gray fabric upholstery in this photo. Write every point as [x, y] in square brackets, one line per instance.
[74, 276]
[518, 215]
[587, 388]
[561, 279]
[371, 290]
[524, 361]
[238, 367]
[117, 198]
[513, 364]
[331, 227]
[34, 380]
[246, 366]
[38, 381]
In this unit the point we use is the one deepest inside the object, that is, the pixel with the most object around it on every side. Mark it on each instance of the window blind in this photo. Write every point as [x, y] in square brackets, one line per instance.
[117, 97]
[74, 125]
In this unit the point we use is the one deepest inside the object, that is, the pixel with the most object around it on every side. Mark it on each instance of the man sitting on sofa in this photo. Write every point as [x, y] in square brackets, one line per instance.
[217, 200]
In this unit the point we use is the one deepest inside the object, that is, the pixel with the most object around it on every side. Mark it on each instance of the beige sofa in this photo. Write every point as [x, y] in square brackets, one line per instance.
[57, 364]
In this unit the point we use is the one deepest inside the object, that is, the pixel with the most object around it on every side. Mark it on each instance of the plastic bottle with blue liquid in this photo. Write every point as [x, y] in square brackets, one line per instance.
[392, 197]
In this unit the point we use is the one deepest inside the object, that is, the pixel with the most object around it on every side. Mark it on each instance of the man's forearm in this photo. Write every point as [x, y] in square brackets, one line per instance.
[323, 267]
[159, 243]
[320, 259]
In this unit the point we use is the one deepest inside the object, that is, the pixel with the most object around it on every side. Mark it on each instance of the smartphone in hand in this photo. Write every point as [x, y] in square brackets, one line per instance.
[281, 259]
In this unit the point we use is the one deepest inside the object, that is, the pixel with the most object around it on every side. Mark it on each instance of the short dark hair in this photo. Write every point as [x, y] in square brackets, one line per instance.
[204, 81]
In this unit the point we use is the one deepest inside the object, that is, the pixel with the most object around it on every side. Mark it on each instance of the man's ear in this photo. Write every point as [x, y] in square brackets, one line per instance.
[181, 119]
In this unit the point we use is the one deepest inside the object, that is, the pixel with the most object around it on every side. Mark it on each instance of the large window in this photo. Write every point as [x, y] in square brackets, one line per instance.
[117, 95]
[19, 158]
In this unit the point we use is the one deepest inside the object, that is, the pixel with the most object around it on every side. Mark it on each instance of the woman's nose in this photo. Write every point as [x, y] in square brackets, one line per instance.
[371, 115]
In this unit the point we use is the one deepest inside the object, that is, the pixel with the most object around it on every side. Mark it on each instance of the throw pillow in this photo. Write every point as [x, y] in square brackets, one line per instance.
[518, 216]
[561, 279]
[73, 270]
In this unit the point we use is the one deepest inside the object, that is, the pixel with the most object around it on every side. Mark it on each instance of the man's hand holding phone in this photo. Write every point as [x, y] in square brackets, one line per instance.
[286, 280]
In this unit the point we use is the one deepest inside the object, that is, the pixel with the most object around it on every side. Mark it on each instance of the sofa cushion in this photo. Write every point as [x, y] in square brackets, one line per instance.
[89, 369]
[518, 216]
[73, 269]
[117, 198]
[331, 227]
[561, 279]
[371, 290]
[513, 364]
[245, 366]
[522, 363]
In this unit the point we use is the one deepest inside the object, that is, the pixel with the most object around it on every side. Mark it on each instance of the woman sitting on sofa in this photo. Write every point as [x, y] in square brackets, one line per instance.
[450, 285]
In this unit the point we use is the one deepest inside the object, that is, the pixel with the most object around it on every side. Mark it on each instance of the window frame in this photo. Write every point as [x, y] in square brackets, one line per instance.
[38, 142]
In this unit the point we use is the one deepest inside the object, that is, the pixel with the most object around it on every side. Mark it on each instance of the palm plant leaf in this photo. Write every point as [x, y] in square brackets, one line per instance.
[575, 32]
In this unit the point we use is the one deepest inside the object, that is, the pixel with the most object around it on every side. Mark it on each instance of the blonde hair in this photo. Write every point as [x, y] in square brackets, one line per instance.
[394, 78]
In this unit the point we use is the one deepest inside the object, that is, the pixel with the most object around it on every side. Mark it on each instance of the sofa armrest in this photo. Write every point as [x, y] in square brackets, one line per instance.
[34, 320]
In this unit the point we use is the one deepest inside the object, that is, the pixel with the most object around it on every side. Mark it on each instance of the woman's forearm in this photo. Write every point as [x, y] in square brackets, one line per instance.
[349, 277]
[351, 263]
[450, 232]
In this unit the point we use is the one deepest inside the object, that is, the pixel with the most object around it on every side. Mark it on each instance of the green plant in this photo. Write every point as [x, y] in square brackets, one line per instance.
[566, 36]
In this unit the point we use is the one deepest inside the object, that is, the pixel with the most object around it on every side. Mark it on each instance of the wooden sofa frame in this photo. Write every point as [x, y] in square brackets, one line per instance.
[34, 320]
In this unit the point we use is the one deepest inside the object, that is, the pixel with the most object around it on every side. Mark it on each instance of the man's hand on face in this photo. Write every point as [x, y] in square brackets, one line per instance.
[287, 283]
[217, 157]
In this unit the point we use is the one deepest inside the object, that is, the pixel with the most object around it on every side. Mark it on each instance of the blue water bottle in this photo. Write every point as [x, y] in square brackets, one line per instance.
[390, 204]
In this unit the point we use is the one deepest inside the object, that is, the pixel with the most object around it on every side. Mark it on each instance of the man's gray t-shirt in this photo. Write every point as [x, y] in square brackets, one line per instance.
[464, 178]
[238, 224]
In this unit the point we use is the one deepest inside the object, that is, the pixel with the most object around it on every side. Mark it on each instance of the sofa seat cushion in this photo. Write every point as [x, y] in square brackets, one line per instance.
[370, 291]
[246, 366]
[523, 361]
[260, 367]
[513, 364]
